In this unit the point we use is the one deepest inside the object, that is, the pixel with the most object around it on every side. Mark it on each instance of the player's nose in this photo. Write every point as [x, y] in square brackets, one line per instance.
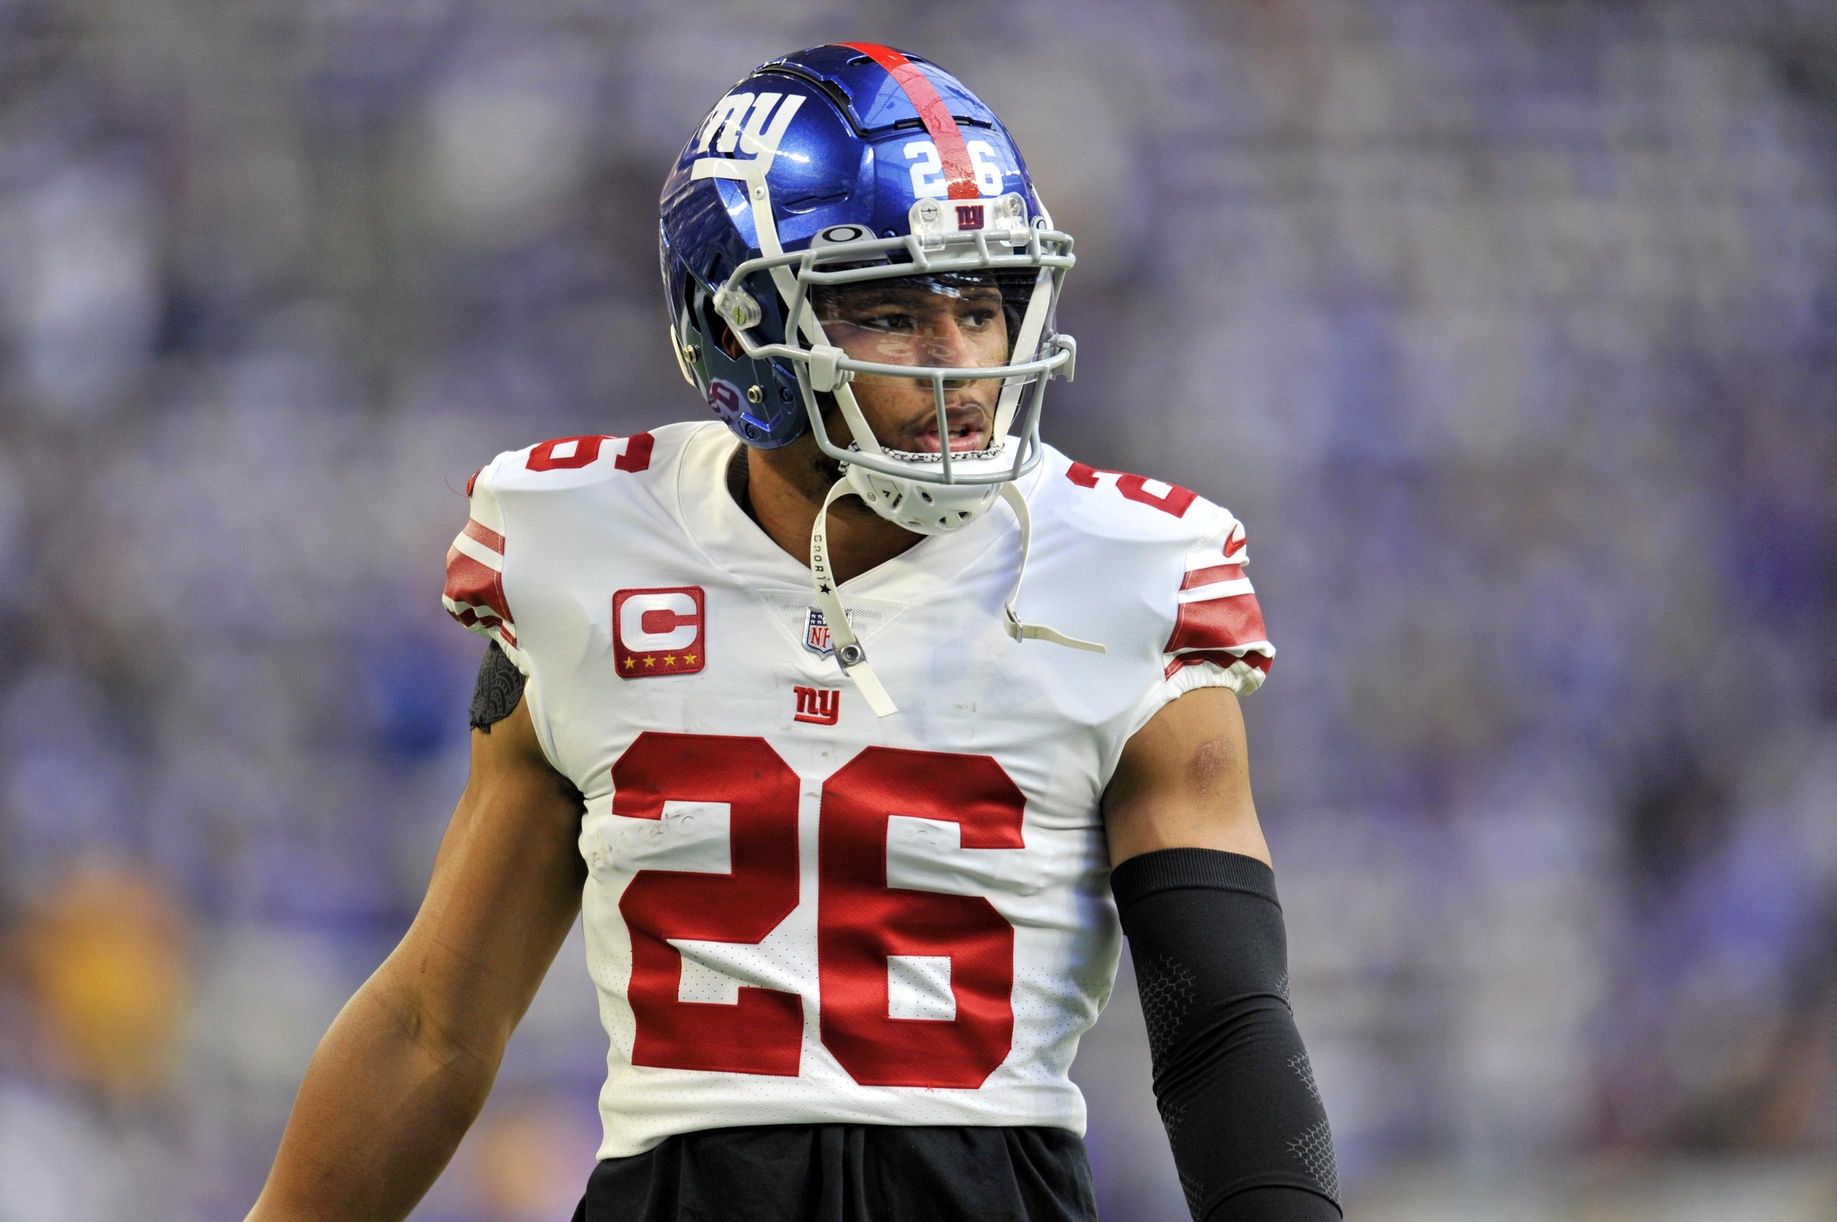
[949, 343]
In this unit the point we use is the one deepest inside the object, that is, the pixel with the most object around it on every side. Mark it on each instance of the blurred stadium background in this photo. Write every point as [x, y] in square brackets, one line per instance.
[1510, 327]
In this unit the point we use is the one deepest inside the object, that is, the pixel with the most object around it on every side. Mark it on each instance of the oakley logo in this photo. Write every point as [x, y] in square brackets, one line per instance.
[820, 706]
[753, 124]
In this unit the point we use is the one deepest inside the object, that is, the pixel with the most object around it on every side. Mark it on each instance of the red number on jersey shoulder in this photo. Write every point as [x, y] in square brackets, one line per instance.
[1176, 500]
[570, 453]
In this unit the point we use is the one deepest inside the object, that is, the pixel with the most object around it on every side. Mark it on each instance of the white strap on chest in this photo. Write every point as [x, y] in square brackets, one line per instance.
[852, 655]
[1016, 629]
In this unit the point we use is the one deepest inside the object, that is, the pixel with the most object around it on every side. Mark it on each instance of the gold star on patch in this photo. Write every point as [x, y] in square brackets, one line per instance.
[649, 662]
[629, 663]
[688, 659]
[669, 659]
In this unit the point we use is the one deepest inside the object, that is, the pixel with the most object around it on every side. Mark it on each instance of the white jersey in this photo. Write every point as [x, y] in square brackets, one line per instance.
[796, 911]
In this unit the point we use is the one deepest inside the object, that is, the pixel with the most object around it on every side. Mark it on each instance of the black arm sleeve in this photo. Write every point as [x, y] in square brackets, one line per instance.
[499, 687]
[1231, 1079]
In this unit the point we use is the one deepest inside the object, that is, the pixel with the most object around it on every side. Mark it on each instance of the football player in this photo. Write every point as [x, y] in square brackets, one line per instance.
[858, 740]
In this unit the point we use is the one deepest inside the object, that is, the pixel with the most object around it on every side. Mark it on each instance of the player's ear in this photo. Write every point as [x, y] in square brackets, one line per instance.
[713, 325]
[727, 341]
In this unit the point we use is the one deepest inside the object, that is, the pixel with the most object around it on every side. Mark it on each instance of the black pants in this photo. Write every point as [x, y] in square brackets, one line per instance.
[848, 1173]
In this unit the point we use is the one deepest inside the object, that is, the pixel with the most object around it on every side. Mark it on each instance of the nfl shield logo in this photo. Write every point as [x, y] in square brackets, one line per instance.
[816, 634]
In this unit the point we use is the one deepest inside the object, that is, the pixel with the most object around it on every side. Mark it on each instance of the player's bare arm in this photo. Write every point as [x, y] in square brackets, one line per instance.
[1198, 903]
[1184, 782]
[407, 1064]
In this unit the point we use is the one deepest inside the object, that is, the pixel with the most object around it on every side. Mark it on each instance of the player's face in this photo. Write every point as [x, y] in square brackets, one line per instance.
[948, 321]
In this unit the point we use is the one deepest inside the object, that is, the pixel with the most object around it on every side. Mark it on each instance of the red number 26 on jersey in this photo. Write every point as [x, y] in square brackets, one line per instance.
[862, 921]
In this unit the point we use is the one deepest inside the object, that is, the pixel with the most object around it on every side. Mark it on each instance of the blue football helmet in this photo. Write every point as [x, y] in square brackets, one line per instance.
[836, 171]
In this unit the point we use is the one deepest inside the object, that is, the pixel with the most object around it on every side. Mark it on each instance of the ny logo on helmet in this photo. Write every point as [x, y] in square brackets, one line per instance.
[753, 123]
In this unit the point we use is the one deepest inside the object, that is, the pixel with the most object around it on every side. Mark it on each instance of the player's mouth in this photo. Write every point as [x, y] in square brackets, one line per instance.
[968, 430]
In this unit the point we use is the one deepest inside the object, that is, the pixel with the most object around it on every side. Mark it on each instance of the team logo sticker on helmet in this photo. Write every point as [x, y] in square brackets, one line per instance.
[659, 631]
[753, 124]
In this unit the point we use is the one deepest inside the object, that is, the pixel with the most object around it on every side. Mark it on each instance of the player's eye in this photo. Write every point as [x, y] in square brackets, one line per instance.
[888, 320]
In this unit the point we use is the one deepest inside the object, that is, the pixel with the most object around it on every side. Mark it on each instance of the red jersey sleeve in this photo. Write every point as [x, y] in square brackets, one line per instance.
[1218, 638]
[474, 593]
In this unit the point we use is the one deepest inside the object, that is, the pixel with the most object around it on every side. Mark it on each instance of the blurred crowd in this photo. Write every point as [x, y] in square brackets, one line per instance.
[1509, 327]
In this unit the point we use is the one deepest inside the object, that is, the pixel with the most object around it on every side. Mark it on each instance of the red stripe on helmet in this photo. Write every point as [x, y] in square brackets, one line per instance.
[939, 122]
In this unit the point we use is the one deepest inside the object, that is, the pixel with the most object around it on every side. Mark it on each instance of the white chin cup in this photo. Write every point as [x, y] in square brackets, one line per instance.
[924, 508]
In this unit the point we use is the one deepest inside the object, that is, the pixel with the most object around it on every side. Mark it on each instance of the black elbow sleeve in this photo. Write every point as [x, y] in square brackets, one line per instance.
[497, 690]
[1231, 1078]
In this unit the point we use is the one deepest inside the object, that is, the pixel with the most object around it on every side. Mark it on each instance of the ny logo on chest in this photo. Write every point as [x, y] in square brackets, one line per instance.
[817, 705]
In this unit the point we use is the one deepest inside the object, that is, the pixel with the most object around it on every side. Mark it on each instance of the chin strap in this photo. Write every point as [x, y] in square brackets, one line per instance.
[849, 651]
[852, 655]
[1016, 629]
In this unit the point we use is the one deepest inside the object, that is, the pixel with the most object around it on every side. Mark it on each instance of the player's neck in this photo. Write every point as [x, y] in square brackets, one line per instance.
[783, 499]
